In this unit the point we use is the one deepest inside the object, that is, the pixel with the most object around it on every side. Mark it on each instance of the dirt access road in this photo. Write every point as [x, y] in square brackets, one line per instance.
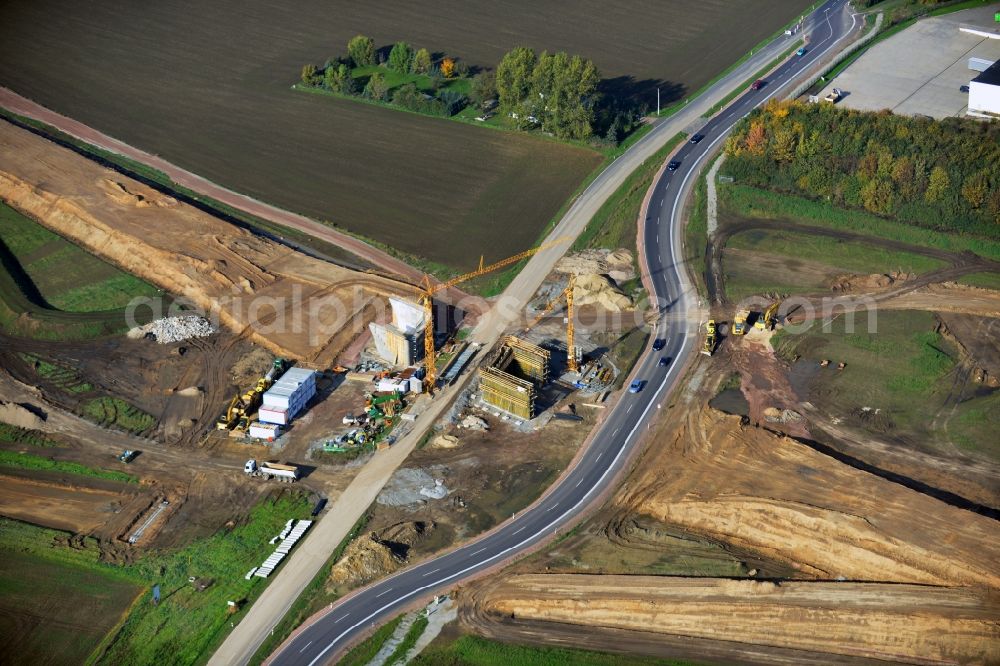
[25, 107]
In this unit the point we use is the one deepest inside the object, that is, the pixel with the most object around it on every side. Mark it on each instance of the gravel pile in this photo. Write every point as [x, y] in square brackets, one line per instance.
[174, 329]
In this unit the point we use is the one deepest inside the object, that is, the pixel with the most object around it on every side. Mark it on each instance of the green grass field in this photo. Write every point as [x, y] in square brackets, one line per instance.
[744, 201]
[476, 651]
[852, 257]
[906, 370]
[116, 413]
[10, 434]
[188, 624]
[67, 276]
[17, 460]
[982, 280]
[56, 604]
[789, 262]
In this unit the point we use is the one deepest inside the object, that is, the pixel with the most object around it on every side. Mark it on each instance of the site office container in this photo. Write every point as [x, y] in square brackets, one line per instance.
[266, 431]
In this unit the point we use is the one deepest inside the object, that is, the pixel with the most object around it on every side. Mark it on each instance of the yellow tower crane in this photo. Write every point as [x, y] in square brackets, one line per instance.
[427, 291]
[567, 293]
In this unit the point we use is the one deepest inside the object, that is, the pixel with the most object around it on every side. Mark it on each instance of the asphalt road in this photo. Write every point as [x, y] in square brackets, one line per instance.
[609, 450]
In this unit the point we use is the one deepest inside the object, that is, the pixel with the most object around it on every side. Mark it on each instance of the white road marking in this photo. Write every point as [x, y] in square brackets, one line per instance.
[552, 507]
[621, 451]
[340, 618]
[380, 594]
[431, 572]
[305, 646]
[478, 551]
[519, 529]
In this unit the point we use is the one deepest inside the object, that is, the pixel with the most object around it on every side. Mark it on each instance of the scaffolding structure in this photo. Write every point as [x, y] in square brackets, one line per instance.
[511, 375]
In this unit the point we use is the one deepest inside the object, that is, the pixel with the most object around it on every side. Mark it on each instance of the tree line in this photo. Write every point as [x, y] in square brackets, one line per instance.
[937, 174]
[555, 92]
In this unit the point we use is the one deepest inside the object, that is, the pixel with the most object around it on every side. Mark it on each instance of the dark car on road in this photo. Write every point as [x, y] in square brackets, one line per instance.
[658, 344]
[697, 137]
[636, 386]
[664, 361]
[672, 166]
[757, 85]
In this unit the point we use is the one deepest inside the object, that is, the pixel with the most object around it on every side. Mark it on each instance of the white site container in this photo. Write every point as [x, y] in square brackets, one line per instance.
[292, 390]
[391, 385]
[266, 431]
[275, 416]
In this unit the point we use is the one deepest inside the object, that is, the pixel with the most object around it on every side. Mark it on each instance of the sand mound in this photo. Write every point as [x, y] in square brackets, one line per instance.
[17, 415]
[364, 560]
[593, 289]
[445, 442]
[852, 282]
[378, 554]
[617, 264]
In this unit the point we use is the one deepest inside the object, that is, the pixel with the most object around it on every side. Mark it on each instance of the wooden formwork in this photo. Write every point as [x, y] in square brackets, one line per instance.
[507, 392]
[510, 375]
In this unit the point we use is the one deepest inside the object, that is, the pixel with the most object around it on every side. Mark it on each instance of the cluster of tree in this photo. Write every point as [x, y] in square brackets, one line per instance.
[337, 75]
[554, 90]
[937, 174]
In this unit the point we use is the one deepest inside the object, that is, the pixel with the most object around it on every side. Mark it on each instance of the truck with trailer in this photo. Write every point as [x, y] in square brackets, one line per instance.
[271, 470]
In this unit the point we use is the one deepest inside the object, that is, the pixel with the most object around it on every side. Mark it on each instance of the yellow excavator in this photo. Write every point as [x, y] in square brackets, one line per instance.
[765, 322]
[232, 414]
[709, 347]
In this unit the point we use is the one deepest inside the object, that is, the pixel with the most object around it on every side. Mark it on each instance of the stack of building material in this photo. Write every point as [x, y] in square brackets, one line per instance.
[288, 396]
[270, 564]
[293, 536]
[289, 536]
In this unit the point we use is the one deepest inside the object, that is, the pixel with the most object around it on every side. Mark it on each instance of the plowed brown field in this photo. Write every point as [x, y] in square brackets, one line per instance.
[206, 86]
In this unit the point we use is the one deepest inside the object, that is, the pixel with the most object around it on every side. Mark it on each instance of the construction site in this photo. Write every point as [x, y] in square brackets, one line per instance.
[260, 364]
[263, 380]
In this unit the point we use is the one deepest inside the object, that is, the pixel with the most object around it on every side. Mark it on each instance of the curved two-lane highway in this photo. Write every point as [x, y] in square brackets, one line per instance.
[608, 451]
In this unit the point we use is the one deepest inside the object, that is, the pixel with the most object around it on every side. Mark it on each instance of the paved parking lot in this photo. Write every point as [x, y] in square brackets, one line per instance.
[920, 70]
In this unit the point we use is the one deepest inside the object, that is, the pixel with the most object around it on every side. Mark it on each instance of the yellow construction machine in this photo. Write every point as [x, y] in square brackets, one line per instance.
[231, 415]
[765, 322]
[740, 322]
[709, 347]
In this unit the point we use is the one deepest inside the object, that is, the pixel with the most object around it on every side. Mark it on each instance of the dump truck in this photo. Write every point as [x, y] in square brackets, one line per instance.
[740, 322]
[271, 470]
